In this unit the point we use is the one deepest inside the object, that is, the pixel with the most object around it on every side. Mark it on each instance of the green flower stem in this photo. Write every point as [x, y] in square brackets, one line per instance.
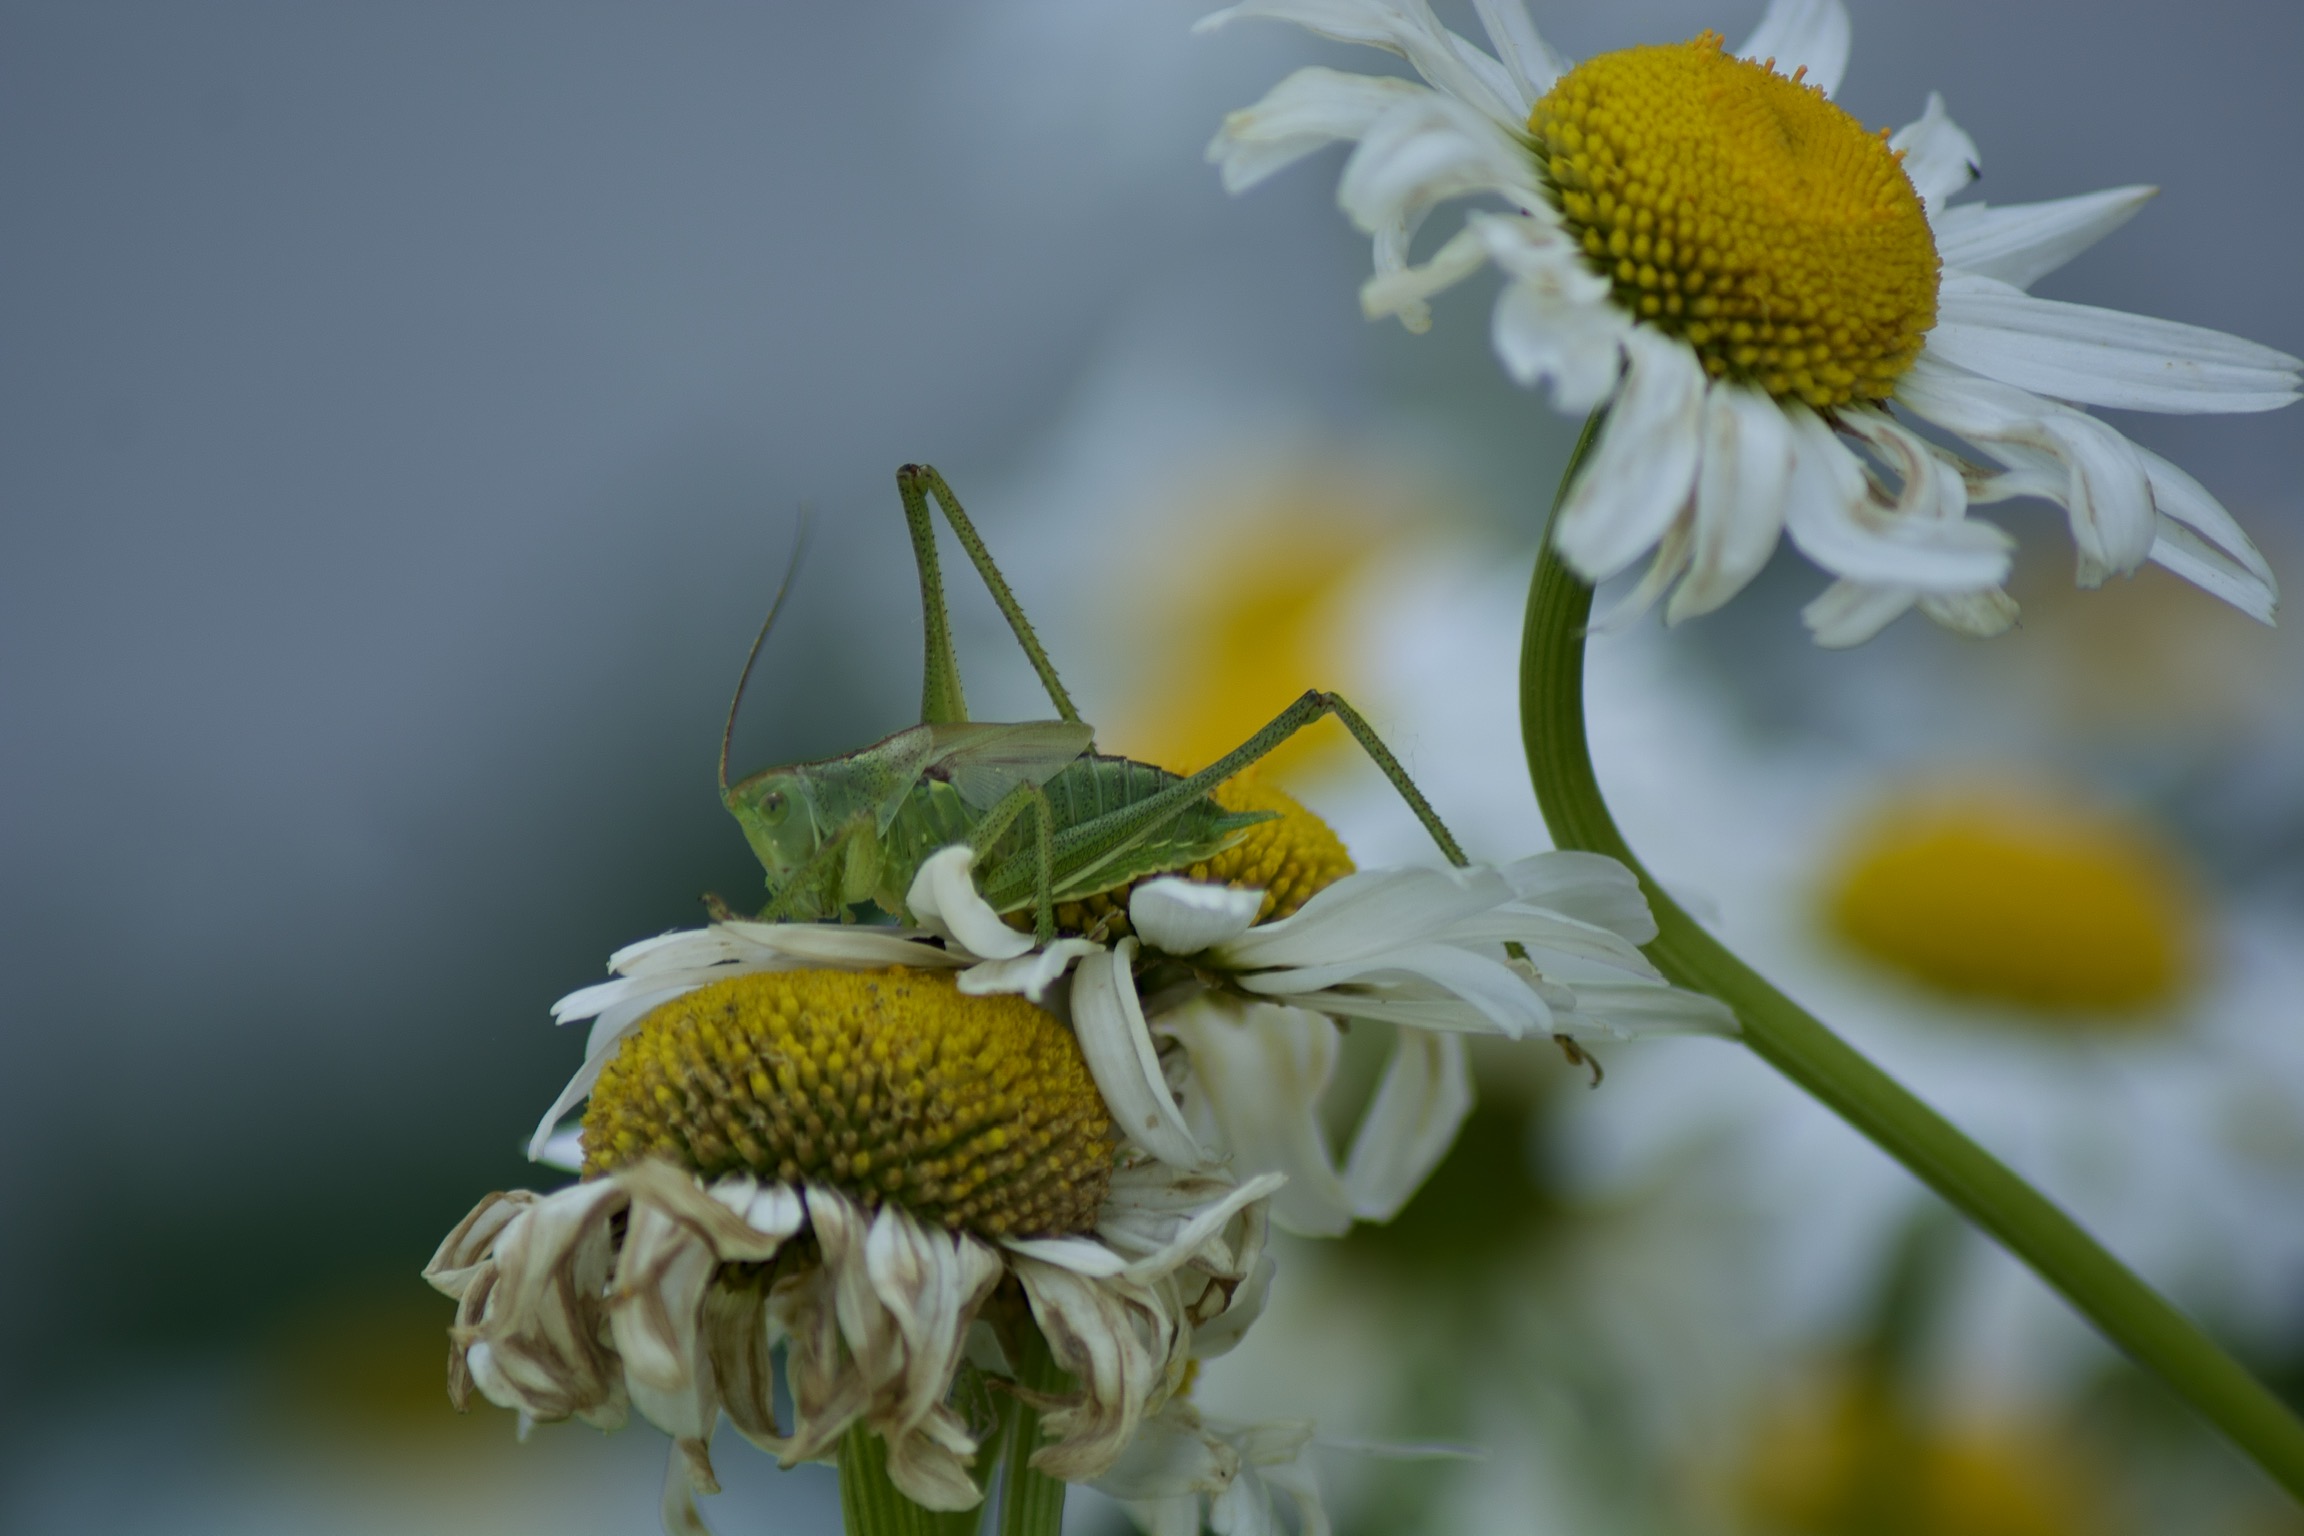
[871, 1505]
[2126, 1310]
[1031, 1502]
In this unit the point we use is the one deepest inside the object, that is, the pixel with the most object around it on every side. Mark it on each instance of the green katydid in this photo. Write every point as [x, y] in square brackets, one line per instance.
[1050, 819]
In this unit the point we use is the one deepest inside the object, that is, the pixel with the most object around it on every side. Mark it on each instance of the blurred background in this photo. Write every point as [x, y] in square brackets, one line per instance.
[407, 411]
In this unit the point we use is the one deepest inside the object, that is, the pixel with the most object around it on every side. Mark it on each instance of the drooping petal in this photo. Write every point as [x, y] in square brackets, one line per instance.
[1665, 566]
[1262, 1072]
[1803, 34]
[944, 898]
[2085, 466]
[1938, 155]
[2023, 242]
[1830, 515]
[1304, 113]
[1554, 321]
[1420, 1105]
[2092, 356]
[1109, 1021]
[1114, 1339]
[1979, 615]
[1644, 466]
[1739, 498]
[1849, 613]
[1405, 27]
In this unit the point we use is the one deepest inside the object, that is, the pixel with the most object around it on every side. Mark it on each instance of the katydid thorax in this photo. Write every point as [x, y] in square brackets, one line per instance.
[1049, 818]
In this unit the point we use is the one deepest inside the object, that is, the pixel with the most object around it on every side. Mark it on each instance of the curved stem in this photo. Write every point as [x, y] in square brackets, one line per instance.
[2128, 1312]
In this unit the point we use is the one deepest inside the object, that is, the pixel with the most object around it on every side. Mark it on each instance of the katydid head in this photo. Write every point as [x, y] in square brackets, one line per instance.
[778, 810]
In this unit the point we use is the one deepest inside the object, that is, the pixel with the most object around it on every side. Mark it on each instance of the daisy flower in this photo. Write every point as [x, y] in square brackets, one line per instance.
[1704, 243]
[794, 1145]
[858, 1144]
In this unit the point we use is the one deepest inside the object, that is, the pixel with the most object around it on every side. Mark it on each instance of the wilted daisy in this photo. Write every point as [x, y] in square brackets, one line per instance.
[794, 1145]
[1702, 241]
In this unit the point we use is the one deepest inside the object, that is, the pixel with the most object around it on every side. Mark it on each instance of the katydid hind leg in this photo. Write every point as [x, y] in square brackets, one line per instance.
[1312, 707]
[919, 478]
[942, 701]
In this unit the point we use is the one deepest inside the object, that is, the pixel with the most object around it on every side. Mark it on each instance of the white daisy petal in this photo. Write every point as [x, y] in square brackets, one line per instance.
[1589, 887]
[1644, 466]
[1109, 1021]
[1627, 1010]
[1740, 489]
[1665, 566]
[1198, 1233]
[1304, 113]
[2089, 469]
[1553, 322]
[2103, 357]
[2024, 242]
[1405, 27]
[1422, 151]
[1938, 155]
[1420, 1104]
[2177, 548]
[944, 898]
[1796, 34]
[1261, 1072]
[1851, 612]
[1029, 975]
[1184, 917]
[2180, 497]
[1979, 615]
[1497, 998]
[1830, 515]
[1530, 62]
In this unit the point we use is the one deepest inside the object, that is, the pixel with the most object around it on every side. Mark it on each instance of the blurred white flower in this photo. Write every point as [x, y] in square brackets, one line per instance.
[1705, 244]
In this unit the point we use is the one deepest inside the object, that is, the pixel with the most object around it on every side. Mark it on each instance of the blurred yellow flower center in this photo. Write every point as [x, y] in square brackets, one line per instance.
[1854, 1459]
[1746, 214]
[974, 1112]
[1290, 859]
[2021, 902]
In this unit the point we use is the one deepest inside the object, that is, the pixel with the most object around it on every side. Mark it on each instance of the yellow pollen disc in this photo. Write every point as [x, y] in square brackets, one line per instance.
[1746, 214]
[974, 1112]
[2019, 901]
[1290, 859]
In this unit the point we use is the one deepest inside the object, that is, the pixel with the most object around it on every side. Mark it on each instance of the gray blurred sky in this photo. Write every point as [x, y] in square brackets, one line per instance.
[405, 410]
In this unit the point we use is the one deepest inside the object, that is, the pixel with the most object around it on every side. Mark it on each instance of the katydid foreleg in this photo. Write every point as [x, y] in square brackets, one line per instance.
[820, 879]
[996, 823]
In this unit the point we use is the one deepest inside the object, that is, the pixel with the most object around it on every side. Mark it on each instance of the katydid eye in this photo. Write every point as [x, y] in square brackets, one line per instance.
[773, 807]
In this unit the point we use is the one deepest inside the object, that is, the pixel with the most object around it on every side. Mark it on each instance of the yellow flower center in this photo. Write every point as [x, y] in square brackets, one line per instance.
[1290, 859]
[2019, 901]
[1746, 214]
[974, 1112]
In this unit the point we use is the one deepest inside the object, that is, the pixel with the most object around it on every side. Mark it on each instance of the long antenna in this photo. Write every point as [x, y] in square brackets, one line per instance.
[783, 590]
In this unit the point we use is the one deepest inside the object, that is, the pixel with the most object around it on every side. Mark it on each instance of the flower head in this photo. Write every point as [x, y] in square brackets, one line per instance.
[795, 1148]
[1706, 244]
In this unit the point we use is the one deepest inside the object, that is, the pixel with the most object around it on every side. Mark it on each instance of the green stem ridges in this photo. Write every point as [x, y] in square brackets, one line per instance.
[2126, 1310]
[1031, 1503]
